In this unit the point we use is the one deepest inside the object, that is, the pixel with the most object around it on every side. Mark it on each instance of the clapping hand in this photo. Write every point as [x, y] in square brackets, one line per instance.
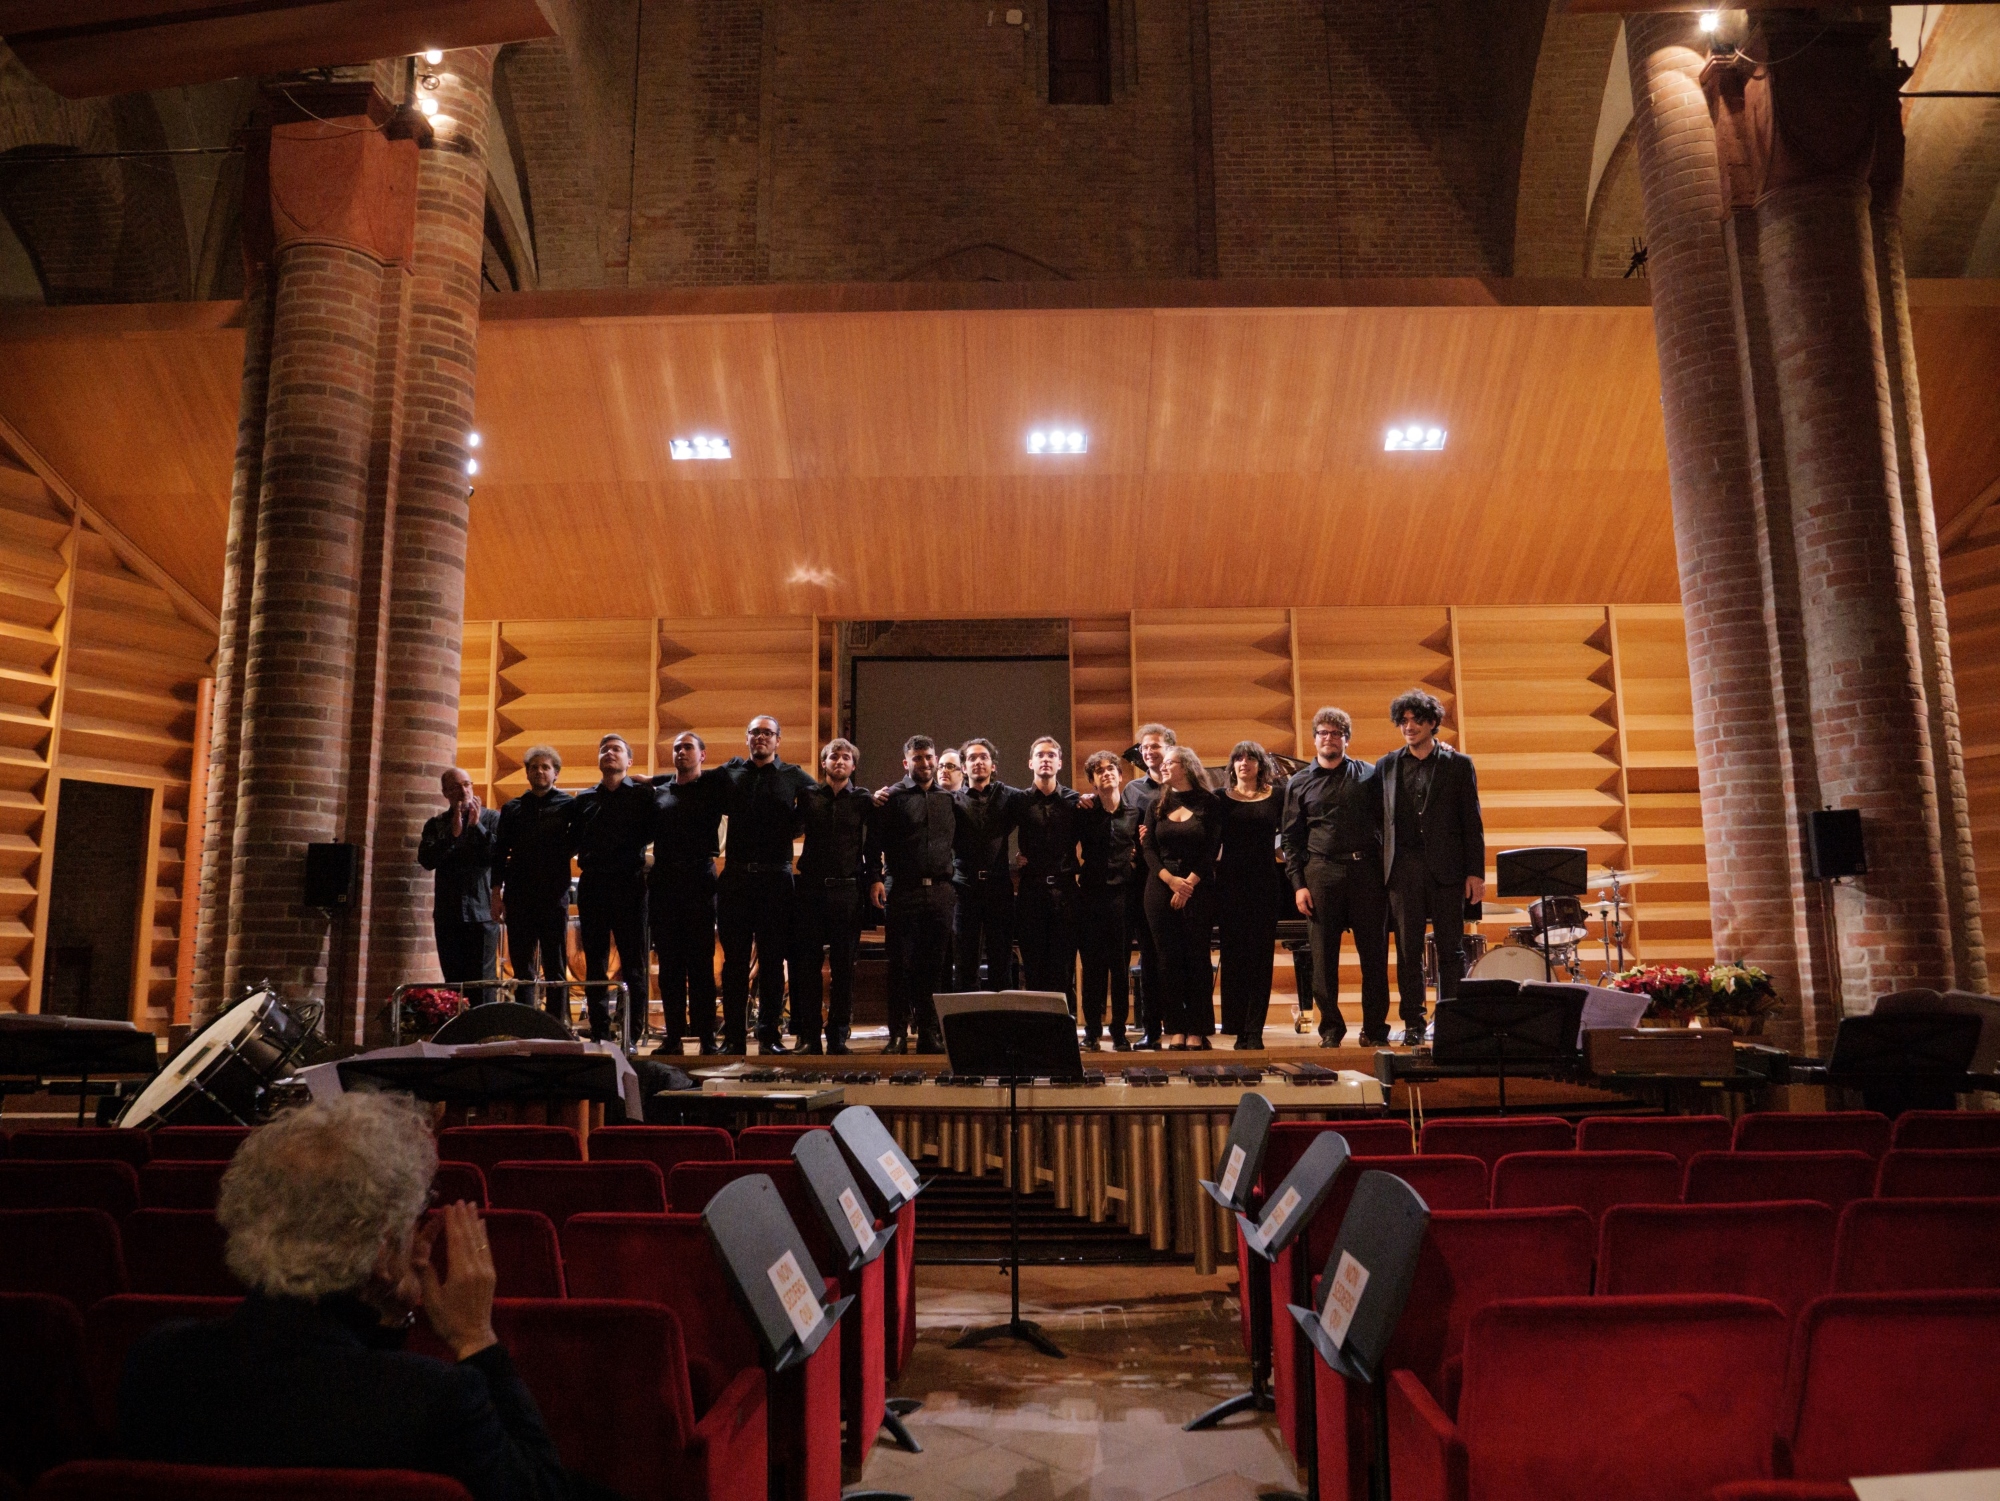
[459, 1307]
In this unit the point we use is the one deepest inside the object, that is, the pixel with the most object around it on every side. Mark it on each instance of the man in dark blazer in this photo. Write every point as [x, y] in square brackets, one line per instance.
[531, 881]
[1433, 851]
[458, 845]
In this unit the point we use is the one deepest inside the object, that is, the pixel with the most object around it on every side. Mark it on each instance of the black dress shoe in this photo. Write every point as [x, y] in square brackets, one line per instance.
[810, 1050]
[837, 1046]
[1374, 1039]
[898, 1045]
[772, 1045]
[1250, 1044]
[736, 1047]
[929, 1045]
[1333, 1039]
[1413, 1035]
[710, 1048]
[1120, 1045]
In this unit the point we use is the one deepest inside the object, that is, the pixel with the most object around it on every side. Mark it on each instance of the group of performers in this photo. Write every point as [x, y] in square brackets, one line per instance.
[963, 869]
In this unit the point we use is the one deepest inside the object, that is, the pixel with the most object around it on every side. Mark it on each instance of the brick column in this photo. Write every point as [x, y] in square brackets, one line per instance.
[427, 598]
[1739, 755]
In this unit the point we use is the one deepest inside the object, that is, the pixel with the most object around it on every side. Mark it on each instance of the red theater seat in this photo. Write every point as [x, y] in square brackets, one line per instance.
[44, 1400]
[1961, 1174]
[1917, 1245]
[111, 1329]
[1578, 1399]
[527, 1259]
[1946, 1130]
[1781, 1252]
[666, 1147]
[1893, 1384]
[561, 1189]
[485, 1147]
[138, 1480]
[1590, 1181]
[1833, 1178]
[110, 1186]
[1491, 1138]
[192, 1184]
[1783, 1490]
[178, 1253]
[1683, 1135]
[67, 1253]
[106, 1144]
[1288, 1141]
[1811, 1131]
[458, 1180]
[899, 1294]
[611, 1380]
[198, 1143]
[771, 1143]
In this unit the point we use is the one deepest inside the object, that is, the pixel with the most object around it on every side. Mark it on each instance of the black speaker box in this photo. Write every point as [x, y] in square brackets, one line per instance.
[330, 875]
[1834, 847]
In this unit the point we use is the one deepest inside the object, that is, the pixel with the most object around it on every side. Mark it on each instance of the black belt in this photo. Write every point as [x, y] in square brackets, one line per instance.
[1350, 859]
[831, 880]
[755, 868]
[1052, 880]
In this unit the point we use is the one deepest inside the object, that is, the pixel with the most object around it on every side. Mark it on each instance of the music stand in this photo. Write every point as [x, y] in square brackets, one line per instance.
[1287, 1212]
[889, 1179]
[779, 1290]
[1536, 1027]
[1242, 1160]
[1362, 1294]
[1905, 1059]
[1020, 1035]
[1543, 872]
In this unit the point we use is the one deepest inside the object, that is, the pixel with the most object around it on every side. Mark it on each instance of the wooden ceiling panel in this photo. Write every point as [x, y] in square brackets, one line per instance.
[875, 395]
[1958, 368]
[1028, 371]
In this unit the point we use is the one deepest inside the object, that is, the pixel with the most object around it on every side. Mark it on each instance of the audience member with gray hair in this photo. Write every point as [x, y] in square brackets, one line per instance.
[324, 1210]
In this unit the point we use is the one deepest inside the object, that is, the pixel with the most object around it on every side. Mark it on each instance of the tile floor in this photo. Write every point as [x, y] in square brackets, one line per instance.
[1006, 1422]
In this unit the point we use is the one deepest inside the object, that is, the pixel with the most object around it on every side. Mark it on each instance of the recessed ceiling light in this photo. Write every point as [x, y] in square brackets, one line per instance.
[433, 56]
[1058, 440]
[472, 440]
[698, 447]
[1414, 438]
[1710, 21]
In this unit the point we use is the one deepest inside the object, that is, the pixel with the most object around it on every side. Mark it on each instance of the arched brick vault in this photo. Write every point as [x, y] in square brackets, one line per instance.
[1557, 143]
[1951, 222]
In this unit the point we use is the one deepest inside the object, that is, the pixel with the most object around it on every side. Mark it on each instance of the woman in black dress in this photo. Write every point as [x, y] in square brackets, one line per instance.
[1182, 833]
[1251, 884]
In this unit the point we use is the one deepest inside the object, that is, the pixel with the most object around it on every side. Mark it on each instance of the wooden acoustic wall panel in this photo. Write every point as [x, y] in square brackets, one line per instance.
[1663, 791]
[475, 706]
[134, 666]
[1359, 660]
[715, 676]
[1216, 676]
[1100, 687]
[566, 683]
[1972, 594]
[35, 538]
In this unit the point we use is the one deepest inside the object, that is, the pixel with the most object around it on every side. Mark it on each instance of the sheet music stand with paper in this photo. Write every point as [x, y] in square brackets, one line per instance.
[1541, 873]
[1538, 1028]
[1287, 1212]
[1362, 1293]
[889, 1181]
[1236, 1181]
[780, 1291]
[1020, 1036]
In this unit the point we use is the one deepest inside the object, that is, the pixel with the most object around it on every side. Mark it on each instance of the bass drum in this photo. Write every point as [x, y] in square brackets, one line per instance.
[1510, 961]
[1470, 947]
[219, 1078]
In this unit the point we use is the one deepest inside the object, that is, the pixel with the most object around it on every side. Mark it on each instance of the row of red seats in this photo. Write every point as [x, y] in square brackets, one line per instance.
[124, 1144]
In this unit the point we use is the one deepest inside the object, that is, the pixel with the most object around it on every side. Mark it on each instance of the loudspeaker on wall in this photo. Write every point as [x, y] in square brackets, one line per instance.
[1834, 846]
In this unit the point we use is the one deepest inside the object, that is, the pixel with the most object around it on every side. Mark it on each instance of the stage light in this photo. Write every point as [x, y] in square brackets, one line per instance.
[1414, 438]
[699, 447]
[472, 440]
[472, 466]
[428, 106]
[433, 56]
[1710, 22]
[1058, 440]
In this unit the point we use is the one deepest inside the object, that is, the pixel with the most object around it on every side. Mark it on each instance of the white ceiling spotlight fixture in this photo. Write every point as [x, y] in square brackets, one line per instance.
[1058, 440]
[433, 56]
[1414, 438]
[699, 446]
[472, 440]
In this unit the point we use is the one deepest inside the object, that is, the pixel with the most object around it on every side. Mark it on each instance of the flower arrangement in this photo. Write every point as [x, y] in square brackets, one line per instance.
[428, 1008]
[1737, 996]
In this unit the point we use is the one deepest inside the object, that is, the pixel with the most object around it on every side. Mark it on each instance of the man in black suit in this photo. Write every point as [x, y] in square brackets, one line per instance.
[612, 823]
[1332, 834]
[910, 839]
[458, 845]
[755, 897]
[681, 893]
[531, 878]
[1433, 851]
[324, 1213]
[834, 872]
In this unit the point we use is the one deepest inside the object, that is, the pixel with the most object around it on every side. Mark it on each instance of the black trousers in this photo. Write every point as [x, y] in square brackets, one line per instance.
[538, 941]
[826, 923]
[1414, 899]
[1107, 958]
[919, 927]
[683, 920]
[1045, 924]
[614, 911]
[753, 906]
[1152, 988]
[984, 925]
[1349, 895]
[467, 951]
[1180, 939]
[1247, 920]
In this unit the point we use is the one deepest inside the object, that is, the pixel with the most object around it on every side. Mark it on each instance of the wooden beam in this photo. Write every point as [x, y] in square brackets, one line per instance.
[192, 848]
[139, 1002]
[1960, 526]
[51, 784]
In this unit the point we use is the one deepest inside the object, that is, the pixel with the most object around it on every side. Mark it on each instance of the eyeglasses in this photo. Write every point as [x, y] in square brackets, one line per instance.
[760, 733]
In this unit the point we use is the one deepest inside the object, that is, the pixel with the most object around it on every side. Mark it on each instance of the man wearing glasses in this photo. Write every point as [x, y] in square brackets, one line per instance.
[1332, 834]
[760, 798]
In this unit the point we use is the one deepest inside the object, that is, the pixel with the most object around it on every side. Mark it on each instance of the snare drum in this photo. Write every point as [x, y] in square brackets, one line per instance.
[1558, 920]
[1470, 947]
[218, 1079]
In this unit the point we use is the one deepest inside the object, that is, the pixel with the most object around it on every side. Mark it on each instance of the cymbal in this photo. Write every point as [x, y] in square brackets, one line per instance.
[1625, 877]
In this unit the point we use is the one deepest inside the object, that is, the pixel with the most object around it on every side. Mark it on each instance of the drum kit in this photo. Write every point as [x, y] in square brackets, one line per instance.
[228, 1072]
[1557, 926]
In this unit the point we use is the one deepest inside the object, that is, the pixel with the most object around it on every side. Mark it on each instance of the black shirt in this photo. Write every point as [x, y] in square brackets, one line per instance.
[1047, 825]
[986, 817]
[464, 865]
[687, 819]
[1331, 811]
[912, 834]
[762, 804]
[611, 829]
[531, 850]
[1413, 796]
[1110, 839]
[1250, 844]
[836, 825]
[1186, 848]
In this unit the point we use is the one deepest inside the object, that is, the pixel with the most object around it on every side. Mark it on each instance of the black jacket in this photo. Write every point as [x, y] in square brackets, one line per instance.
[464, 865]
[531, 851]
[286, 1383]
[1454, 836]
